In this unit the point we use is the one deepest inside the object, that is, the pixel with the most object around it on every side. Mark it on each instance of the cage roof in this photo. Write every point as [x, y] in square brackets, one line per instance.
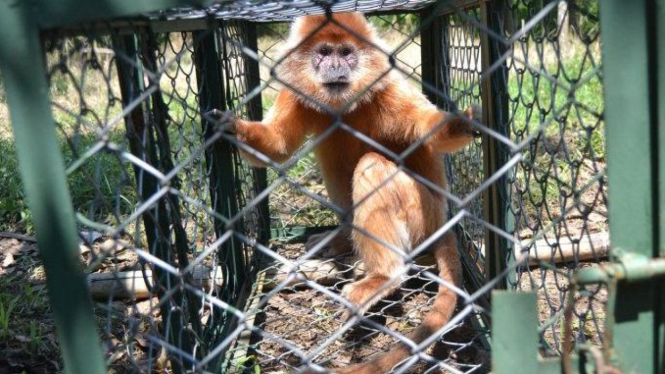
[266, 11]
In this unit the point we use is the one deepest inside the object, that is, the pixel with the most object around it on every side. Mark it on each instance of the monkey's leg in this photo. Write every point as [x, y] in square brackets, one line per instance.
[391, 209]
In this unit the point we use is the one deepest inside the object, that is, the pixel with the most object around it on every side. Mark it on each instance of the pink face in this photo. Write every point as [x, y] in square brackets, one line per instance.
[334, 64]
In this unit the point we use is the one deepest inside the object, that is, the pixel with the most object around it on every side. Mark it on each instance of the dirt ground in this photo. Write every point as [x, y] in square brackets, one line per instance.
[27, 333]
[28, 341]
[296, 319]
[304, 318]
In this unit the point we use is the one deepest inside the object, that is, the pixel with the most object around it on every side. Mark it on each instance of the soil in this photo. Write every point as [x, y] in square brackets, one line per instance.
[292, 324]
[27, 333]
[302, 319]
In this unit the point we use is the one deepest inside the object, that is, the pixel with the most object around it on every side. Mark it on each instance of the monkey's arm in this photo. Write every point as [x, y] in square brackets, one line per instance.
[451, 131]
[279, 135]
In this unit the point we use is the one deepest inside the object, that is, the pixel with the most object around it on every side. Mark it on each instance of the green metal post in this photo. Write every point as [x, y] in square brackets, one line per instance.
[219, 158]
[659, 15]
[436, 66]
[142, 143]
[219, 163]
[495, 154]
[43, 173]
[630, 82]
[515, 334]
[255, 113]
[434, 57]
[51, 14]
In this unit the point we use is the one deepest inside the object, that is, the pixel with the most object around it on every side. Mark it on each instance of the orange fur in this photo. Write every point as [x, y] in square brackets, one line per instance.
[385, 202]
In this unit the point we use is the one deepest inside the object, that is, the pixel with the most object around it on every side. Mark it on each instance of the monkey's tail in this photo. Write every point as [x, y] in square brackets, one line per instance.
[448, 261]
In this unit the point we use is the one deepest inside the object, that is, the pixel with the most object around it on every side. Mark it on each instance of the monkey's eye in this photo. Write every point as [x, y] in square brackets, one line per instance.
[345, 51]
[325, 51]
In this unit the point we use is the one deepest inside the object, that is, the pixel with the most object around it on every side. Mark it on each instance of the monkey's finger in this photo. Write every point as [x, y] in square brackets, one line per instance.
[216, 114]
[230, 127]
[224, 121]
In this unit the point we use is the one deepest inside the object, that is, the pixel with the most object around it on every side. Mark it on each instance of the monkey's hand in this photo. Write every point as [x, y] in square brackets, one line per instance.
[465, 125]
[456, 130]
[475, 114]
[223, 121]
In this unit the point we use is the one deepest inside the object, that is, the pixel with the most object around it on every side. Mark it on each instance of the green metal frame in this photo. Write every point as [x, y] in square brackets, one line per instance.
[495, 154]
[630, 65]
[434, 54]
[634, 80]
[659, 15]
[43, 173]
[635, 115]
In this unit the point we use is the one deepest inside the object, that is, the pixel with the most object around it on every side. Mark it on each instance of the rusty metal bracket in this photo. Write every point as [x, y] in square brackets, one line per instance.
[628, 267]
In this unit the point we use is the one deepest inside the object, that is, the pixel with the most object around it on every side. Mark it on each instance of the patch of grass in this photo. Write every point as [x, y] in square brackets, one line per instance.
[27, 330]
[14, 212]
[36, 336]
[7, 306]
[563, 121]
[247, 362]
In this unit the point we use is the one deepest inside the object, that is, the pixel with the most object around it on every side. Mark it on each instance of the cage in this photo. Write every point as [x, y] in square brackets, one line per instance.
[198, 261]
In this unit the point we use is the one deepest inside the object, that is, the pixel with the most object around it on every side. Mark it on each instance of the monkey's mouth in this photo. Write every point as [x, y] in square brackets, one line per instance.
[336, 86]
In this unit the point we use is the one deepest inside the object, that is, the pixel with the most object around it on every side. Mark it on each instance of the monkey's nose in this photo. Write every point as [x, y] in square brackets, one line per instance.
[341, 79]
[338, 75]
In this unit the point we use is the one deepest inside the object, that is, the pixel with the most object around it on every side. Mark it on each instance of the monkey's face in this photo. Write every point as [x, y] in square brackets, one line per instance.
[334, 65]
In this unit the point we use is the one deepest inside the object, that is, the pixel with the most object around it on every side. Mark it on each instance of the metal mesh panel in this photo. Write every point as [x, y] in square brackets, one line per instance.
[176, 225]
[146, 175]
[555, 199]
[288, 329]
[558, 191]
[461, 69]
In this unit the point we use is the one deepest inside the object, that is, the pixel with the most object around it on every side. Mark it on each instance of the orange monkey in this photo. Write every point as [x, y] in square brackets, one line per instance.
[335, 71]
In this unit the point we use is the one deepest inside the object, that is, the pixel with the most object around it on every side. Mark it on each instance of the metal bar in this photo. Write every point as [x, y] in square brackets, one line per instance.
[516, 330]
[632, 268]
[659, 15]
[435, 57]
[43, 175]
[219, 158]
[157, 219]
[255, 113]
[433, 46]
[458, 5]
[170, 210]
[52, 14]
[130, 79]
[127, 27]
[435, 67]
[208, 49]
[628, 62]
[495, 154]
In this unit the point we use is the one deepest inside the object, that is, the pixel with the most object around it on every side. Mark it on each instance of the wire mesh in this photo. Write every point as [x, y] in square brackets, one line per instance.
[153, 184]
[176, 224]
[557, 193]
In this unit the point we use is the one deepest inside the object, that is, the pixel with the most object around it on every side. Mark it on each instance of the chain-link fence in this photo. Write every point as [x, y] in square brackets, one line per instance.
[200, 262]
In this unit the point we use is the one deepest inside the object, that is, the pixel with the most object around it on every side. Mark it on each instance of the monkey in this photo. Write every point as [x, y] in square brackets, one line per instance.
[336, 74]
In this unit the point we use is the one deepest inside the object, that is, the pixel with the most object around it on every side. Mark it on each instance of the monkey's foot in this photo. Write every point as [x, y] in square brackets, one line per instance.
[346, 312]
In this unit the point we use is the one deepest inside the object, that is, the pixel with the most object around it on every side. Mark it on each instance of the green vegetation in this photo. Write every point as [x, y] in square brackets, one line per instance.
[7, 306]
[562, 114]
[104, 187]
